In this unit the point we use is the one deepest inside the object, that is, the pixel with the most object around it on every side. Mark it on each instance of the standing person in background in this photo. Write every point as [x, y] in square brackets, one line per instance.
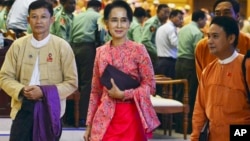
[222, 98]
[58, 8]
[149, 31]
[55, 3]
[209, 18]
[63, 20]
[17, 17]
[230, 8]
[6, 5]
[62, 28]
[188, 37]
[166, 40]
[114, 114]
[166, 46]
[85, 38]
[136, 27]
[38, 73]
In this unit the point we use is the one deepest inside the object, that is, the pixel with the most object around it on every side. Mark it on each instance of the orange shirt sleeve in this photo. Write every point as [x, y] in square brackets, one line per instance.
[199, 117]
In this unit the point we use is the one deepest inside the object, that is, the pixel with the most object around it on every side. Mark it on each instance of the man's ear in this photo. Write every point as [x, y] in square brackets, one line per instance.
[52, 19]
[231, 38]
[97, 9]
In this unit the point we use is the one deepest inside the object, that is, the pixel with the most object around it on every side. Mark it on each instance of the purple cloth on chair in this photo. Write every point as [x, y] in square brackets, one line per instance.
[47, 124]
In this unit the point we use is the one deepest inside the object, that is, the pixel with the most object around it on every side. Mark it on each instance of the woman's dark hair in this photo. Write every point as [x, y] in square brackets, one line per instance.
[41, 4]
[121, 4]
[229, 25]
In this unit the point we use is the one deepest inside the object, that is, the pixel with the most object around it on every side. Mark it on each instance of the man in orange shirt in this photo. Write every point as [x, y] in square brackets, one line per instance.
[230, 8]
[222, 98]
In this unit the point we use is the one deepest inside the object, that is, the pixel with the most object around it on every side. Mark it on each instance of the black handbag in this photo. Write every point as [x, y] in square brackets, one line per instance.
[204, 132]
[121, 79]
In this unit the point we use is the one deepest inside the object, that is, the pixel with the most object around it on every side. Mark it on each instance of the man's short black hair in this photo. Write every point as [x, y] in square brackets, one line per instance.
[175, 12]
[235, 4]
[199, 14]
[139, 12]
[229, 25]
[94, 3]
[161, 6]
[41, 4]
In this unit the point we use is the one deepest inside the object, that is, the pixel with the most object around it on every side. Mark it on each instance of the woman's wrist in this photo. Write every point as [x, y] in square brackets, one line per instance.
[88, 127]
[122, 94]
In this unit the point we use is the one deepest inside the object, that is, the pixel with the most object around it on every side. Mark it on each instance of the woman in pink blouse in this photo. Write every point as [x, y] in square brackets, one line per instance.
[113, 114]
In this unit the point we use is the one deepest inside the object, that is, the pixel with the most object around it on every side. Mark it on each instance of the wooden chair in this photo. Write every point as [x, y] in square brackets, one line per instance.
[171, 106]
[161, 77]
[5, 100]
[10, 34]
[76, 98]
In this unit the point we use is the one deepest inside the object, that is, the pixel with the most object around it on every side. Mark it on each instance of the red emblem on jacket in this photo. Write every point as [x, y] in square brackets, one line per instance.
[49, 58]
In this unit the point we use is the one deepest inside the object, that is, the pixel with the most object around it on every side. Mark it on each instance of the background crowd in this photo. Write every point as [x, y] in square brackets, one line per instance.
[180, 45]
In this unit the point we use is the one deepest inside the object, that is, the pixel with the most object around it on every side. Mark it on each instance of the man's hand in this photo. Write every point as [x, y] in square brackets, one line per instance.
[32, 92]
[115, 92]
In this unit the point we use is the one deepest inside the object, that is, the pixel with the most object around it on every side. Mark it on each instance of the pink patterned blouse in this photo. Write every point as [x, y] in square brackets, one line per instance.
[133, 59]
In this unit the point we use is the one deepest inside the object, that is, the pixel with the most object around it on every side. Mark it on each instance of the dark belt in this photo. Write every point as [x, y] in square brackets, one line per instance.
[185, 59]
[17, 30]
[84, 43]
[167, 58]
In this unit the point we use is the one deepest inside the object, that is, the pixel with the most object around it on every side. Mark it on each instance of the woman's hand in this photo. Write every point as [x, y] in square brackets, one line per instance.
[115, 92]
[86, 135]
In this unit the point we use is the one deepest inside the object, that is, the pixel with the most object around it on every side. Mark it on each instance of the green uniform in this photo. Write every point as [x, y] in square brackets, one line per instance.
[3, 17]
[62, 25]
[85, 37]
[85, 26]
[57, 9]
[148, 37]
[135, 30]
